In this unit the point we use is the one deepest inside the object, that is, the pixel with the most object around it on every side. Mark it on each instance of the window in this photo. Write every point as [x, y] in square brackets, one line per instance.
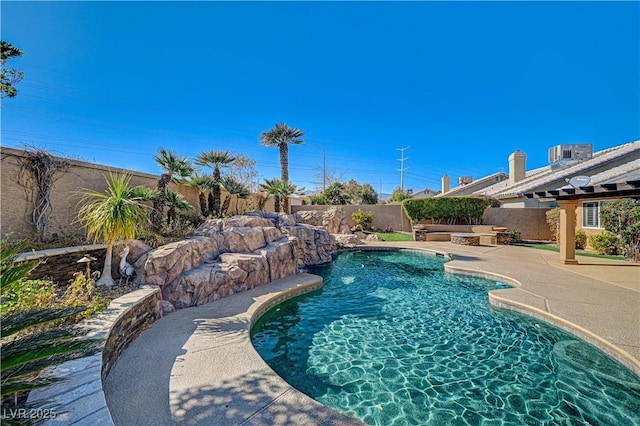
[591, 214]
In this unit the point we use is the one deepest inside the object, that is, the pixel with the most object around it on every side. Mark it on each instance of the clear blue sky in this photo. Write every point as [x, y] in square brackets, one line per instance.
[463, 84]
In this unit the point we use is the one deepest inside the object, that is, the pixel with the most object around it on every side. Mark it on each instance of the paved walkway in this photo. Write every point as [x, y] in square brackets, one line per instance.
[197, 365]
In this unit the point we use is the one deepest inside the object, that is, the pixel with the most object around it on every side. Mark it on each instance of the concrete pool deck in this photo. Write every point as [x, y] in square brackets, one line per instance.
[197, 365]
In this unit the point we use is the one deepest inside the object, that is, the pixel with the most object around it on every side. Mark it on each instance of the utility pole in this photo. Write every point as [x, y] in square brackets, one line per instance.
[402, 168]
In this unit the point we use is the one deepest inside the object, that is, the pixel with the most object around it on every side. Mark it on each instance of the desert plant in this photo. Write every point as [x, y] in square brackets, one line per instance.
[235, 190]
[174, 167]
[176, 202]
[281, 136]
[605, 243]
[363, 219]
[118, 213]
[216, 160]
[514, 236]
[27, 345]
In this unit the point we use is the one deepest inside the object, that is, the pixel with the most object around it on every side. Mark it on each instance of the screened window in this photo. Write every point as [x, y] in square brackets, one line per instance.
[591, 214]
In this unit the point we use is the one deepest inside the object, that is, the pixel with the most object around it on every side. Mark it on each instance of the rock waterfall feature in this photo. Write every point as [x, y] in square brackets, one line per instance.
[227, 256]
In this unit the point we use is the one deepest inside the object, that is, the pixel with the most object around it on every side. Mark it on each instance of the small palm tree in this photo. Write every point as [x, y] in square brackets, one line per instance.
[202, 183]
[281, 136]
[116, 214]
[236, 190]
[215, 160]
[176, 202]
[174, 167]
[271, 187]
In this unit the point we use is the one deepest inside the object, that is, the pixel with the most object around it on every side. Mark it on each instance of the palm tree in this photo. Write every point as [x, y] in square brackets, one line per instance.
[281, 136]
[202, 183]
[235, 189]
[176, 202]
[215, 160]
[271, 187]
[118, 213]
[173, 167]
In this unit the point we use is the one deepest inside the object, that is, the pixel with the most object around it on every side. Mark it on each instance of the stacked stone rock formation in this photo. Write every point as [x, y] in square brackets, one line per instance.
[226, 256]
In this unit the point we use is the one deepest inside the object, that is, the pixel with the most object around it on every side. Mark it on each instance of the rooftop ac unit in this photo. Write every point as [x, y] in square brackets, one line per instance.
[570, 152]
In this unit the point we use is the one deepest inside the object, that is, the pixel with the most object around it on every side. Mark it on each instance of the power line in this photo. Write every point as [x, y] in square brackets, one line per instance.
[402, 168]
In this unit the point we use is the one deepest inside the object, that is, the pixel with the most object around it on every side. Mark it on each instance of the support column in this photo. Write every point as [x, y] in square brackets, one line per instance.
[568, 232]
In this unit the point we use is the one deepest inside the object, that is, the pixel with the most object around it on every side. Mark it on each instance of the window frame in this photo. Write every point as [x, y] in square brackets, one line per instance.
[598, 207]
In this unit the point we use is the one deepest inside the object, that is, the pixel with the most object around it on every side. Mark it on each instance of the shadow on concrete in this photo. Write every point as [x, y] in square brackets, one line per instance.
[248, 400]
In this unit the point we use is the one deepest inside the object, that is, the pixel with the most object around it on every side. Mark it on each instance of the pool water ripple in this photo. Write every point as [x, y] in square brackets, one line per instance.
[393, 340]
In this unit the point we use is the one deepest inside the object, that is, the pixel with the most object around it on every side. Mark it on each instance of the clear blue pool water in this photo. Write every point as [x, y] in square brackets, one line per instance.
[393, 340]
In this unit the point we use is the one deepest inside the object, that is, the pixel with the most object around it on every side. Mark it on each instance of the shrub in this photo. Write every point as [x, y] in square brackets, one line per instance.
[622, 217]
[514, 235]
[362, 218]
[450, 209]
[581, 239]
[553, 220]
[605, 243]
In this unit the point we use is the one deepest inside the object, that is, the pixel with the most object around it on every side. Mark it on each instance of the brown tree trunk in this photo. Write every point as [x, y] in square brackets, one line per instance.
[157, 214]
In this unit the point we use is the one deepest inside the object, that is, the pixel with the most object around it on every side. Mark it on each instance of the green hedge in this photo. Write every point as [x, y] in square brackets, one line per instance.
[447, 209]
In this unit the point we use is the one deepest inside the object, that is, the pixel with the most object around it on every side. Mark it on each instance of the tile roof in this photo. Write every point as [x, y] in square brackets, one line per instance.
[552, 178]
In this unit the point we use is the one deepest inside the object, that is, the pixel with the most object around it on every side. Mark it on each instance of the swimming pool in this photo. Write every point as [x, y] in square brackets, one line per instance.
[391, 339]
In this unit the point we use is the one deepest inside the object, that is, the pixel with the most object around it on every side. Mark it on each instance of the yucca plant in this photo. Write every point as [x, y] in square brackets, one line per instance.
[118, 213]
[27, 345]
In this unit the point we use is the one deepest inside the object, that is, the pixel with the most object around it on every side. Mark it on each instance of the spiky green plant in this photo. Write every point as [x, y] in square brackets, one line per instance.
[281, 136]
[27, 346]
[118, 213]
[235, 189]
[216, 160]
[175, 168]
[176, 202]
[202, 183]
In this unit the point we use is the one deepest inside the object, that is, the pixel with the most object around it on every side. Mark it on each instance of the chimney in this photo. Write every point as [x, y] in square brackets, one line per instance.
[445, 184]
[517, 166]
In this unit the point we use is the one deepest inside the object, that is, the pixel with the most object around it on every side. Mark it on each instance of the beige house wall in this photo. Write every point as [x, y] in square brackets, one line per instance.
[16, 200]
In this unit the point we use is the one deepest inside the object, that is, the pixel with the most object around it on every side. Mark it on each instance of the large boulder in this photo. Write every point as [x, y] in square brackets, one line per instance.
[164, 264]
[314, 242]
[347, 240]
[333, 219]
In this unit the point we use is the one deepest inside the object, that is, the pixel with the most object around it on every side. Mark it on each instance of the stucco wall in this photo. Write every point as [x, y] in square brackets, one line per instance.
[16, 199]
[530, 222]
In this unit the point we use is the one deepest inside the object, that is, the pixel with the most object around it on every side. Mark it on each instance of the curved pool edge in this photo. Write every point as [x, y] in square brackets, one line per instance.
[306, 283]
[499, 298]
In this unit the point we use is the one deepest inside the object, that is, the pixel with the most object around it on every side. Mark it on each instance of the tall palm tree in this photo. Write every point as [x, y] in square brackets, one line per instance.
[216, 160]
[281, 136]
[235, 189]
[176, 202]
[174, 167]
[202, 183]
[120, 212]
